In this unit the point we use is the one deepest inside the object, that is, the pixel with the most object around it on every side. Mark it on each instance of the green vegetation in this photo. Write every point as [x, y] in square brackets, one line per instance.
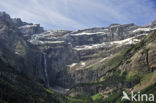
[96, 96]
[16, 87]
[123, 79]
[112, 98]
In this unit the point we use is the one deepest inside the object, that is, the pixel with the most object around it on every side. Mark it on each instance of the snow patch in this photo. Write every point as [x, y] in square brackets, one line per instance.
[102, 60]
[27, 26]
[143, 29]
[131, 40]
[83, 63]
[79, 67]
[17, 53]
[45, 42]
[86, 33]
[72, 65]
[87, 47]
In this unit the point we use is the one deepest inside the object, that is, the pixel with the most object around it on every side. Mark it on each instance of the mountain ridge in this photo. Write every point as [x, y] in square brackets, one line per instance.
[91, 64]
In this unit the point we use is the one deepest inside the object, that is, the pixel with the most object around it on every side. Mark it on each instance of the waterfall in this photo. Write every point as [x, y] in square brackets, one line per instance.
[45, 70]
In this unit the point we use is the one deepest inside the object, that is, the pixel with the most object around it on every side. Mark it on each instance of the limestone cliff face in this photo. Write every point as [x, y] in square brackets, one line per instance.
[18, 52]
[99, 35]
[30, 29]
[18, 22]
[135, 66]
[58, 57]
[73, 56]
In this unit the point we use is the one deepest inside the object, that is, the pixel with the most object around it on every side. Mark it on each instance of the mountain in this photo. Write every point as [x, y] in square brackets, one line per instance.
[131, 69]
[16, 51]
[84, 66]
[85, 48]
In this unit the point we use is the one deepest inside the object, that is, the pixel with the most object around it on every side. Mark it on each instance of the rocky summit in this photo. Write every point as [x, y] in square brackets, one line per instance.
[85, 66]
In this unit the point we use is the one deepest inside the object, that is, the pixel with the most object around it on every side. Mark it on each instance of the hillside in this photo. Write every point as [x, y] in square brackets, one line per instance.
[84, 66]
[133, 69]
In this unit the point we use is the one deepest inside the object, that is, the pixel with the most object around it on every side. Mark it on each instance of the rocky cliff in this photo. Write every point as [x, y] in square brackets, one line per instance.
[135, 71]
[89, 64]
[15, 50]
[71, 54]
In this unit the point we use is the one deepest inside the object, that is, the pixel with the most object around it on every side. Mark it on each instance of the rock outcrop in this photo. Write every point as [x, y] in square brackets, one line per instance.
[90, 62]
[71, 54]
[15, 50]
[136, 64]
[30, 29]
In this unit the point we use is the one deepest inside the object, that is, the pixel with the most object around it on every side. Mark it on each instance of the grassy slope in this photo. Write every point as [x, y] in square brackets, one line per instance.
[138, 81]
[147, 81]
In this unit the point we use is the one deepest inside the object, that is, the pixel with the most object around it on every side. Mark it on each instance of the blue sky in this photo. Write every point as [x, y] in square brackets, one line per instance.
[80, 14]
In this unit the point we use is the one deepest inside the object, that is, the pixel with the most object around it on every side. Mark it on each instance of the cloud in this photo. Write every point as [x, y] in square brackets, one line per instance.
[80, 14]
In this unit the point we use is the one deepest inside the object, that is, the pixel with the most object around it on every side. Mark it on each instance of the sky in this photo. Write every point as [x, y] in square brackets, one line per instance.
[80, 14]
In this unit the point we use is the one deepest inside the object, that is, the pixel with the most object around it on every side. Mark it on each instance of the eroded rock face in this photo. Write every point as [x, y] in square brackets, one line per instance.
[138, 60]
[66, 50]
[100, 35]
[73, 57]
[18, 22]
[16, 51]
[58, 57]
[27, 29]
[31, 29]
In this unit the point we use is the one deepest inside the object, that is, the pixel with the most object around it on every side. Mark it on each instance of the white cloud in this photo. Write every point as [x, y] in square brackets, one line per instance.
[78, 14]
